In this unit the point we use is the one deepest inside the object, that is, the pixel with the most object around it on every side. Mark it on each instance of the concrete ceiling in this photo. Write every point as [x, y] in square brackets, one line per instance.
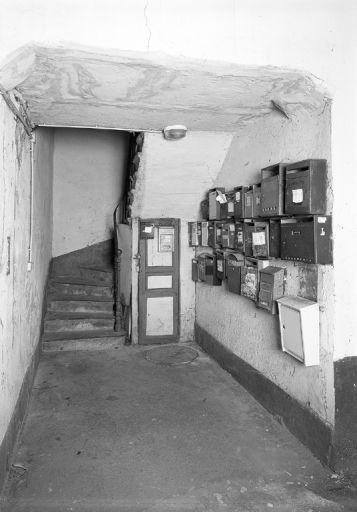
[144, 91]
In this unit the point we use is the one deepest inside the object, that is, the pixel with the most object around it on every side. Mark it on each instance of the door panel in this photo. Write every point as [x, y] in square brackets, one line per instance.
[159, 281]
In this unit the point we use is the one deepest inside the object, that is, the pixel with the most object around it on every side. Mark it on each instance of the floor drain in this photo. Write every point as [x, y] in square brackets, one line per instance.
[171, 355]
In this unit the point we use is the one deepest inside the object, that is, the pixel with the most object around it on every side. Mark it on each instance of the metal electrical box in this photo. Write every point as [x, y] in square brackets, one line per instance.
[204, 209]
[248, 202]
[220, 269]
[239, 237]
[218, 226]
[204, 232]
[256, 200]
[249, 228]
[194, 234]
[228, 207]
[299, 329]
[307, 239]
[228, 235]
[274, 238]
[260, 240]
[207, 269]
[216, 200]
[305, 187]
[271, 288]
[234, 264]
[250, 277]
[272, 190]
[195, 269]
[239, 193]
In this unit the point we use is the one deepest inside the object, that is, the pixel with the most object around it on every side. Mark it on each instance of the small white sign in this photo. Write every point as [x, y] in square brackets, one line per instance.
[258, 238]
[298, 195]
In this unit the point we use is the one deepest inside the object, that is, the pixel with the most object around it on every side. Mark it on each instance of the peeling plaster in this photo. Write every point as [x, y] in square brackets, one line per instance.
[82, 87]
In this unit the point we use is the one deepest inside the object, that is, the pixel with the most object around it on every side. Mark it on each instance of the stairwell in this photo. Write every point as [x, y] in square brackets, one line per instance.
[80, 309]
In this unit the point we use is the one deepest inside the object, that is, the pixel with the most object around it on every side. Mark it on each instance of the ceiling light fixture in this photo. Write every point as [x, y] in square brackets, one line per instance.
[175, 132]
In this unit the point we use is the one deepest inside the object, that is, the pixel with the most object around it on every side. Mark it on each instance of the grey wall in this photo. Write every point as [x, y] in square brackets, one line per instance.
[88, 182]
[21, 290]
[253, 334]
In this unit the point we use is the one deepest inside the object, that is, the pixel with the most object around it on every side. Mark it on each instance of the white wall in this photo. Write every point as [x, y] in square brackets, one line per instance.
[21, 291]
[173, 177]
[89, 173]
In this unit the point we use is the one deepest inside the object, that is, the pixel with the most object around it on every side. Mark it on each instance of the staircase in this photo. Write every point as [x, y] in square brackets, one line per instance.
[80, 310]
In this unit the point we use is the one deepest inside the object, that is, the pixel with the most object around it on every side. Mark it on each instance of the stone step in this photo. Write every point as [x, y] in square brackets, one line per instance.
[77, 324]
[78, 298]
[79, 279]
[86, 274]
[79, 335]
[80, 290]
[80, 306]
[95, 343]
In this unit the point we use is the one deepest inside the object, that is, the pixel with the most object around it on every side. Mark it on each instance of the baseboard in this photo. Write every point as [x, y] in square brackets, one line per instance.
[14, 428]
[300, 420]
[345, 438]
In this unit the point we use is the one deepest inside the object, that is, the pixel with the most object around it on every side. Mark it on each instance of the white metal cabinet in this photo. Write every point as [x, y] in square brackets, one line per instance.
[299, 328]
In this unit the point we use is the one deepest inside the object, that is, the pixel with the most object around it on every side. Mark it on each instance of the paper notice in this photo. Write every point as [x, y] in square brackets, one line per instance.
[258, 238]
[221, 198]
[298, 195]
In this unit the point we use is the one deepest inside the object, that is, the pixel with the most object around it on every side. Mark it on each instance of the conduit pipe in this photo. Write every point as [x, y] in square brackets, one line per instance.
[32, 188]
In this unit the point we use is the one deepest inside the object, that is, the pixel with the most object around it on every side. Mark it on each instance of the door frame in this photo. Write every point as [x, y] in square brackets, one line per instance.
[145, 271]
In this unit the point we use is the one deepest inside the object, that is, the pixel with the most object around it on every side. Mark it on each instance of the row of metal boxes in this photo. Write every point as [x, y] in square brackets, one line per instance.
[252, 278]
[304, 239]
[285, 189]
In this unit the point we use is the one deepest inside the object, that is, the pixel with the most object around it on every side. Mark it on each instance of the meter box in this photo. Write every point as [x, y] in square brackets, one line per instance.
[194, 234]
[216, 200]
[204, 209]
[234, 264]
[207, 269]
[274, 238]
[248, 228]
[239, 193]
[220, 271]
[271, 288]
[248, 202]
[195, 269]
[299, 329]
[205, 232]
[305, 187]
[218, 226]
[228, 207]
[256, 200]
[228, 235]
[239, 237]
[260, 240]
[272, 190]
[250, 277]
[307, 239]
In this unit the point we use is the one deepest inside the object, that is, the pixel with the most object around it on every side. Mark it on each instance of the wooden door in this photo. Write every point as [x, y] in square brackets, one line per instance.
[159, 281]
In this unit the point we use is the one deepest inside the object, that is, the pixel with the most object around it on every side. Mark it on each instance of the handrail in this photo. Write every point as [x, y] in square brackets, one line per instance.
[118, 309]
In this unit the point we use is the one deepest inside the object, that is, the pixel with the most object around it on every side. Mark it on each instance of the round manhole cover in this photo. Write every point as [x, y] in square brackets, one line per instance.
[171, 355]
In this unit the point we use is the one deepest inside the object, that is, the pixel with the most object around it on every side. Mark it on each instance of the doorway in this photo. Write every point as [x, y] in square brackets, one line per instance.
[159, 281]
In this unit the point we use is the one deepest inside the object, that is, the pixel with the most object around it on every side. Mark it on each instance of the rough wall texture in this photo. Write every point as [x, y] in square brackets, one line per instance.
[253, 334]
[89, 173]
[136, 91]
[21, 291]
[173, 177]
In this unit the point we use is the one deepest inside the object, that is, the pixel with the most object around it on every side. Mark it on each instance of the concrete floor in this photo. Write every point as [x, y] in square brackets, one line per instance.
[111, 431]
